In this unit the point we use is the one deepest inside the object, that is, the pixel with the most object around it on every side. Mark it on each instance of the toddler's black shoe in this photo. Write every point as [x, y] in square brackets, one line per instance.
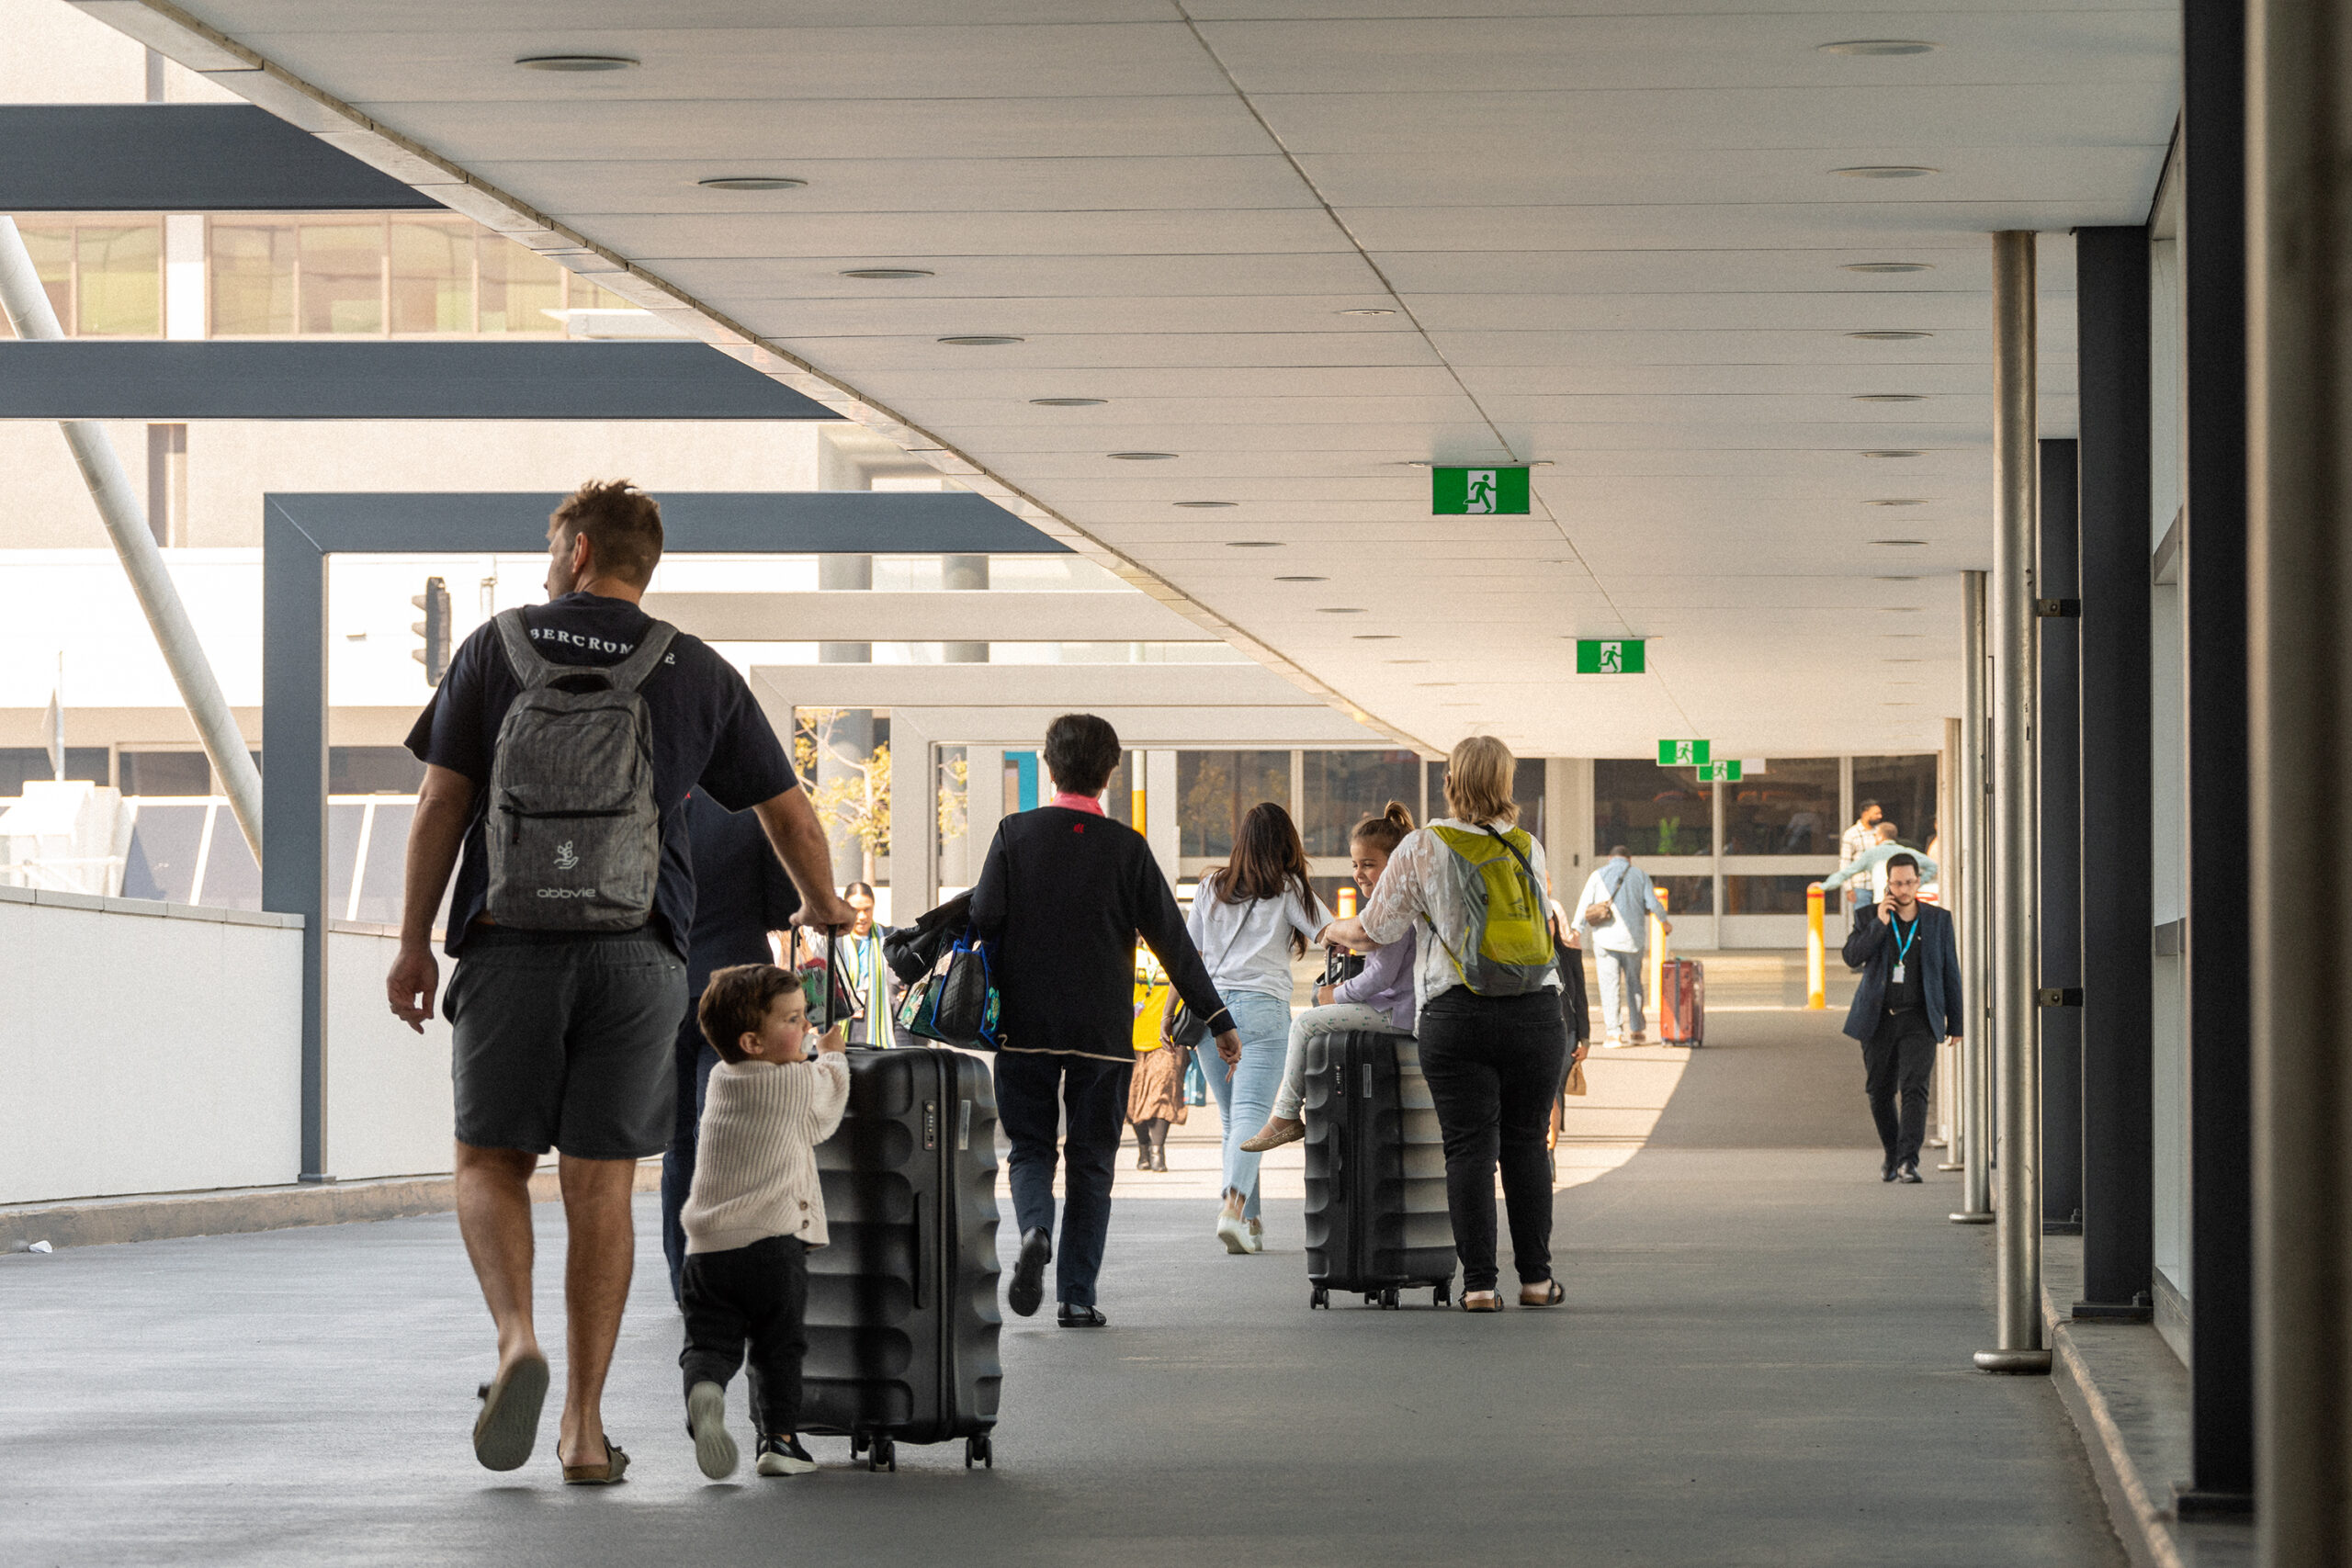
[784, 1456]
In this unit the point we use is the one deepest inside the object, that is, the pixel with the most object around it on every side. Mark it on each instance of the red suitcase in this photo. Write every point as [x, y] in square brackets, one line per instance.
[1683, 1003]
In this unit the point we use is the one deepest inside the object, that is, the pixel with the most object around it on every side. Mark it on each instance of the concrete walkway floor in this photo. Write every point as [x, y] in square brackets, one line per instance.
[1764, 1360]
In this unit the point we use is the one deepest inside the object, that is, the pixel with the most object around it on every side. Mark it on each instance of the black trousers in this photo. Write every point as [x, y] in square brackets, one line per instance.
[1897, 1060]
[1494, 1066]
[1083, 1098]
[756, 1295]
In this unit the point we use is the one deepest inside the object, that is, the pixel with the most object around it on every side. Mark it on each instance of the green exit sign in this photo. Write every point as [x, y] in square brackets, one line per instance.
[1602, 657]
[1719, 772]
[1478, 492]
[1683, 753]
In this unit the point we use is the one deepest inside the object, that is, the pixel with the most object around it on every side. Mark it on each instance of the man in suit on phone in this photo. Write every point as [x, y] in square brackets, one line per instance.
[1909, 996]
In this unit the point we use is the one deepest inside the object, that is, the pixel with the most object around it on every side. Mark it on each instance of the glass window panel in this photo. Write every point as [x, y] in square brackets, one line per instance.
[1790, 808]
[1686, 894]
[433, 276]
[1342, 788]
[52, 254]
[164, 842]
[232, 880]
[1214, 789]
[518, 288]
[1905, 788]
[380, 883]
[373, 770]
[252, 279]
[342, 853]
[20, 764]
[120, 290]
[1651, 810]
[343, 277]
[1766, 895]
[167, 773]
[1526, 792]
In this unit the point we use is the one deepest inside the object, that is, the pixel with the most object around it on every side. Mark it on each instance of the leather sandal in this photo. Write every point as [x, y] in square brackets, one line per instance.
[615, 1465]
[508, 1427]
[1482, 1301]
[1546, 1294]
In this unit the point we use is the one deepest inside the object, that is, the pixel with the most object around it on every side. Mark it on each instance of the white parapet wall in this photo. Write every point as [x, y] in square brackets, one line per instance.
[146, 1047]
[389, 1109]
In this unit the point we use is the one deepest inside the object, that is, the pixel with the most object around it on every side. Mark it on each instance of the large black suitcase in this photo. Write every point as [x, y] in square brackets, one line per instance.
[902, 1313]
[1376, 1219]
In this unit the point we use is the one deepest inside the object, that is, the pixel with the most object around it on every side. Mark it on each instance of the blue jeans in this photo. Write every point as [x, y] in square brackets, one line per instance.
[1621, 975]
[1247, 1098]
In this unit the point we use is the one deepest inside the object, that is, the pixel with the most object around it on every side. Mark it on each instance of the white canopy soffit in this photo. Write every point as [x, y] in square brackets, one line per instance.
[1303, 244]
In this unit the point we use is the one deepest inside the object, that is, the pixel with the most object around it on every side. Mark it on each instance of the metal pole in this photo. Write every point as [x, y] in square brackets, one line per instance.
[29, 310]
[1976, 1046]
[1951, 1074]
[2017, 1061]
[2299, 643]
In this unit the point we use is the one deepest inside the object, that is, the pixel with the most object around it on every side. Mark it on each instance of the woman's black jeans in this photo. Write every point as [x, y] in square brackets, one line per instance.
[1493, 1064]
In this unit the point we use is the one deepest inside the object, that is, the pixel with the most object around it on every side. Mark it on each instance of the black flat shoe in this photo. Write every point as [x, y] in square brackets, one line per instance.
[1069, 1316]
[1908, 1174]
[1027, 1291]
[1886, 1171]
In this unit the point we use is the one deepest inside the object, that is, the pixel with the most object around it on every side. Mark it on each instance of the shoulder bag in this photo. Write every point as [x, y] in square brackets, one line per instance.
[1603, 911]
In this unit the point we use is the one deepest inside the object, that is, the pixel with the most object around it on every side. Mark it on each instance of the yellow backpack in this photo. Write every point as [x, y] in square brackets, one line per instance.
[1506, 946]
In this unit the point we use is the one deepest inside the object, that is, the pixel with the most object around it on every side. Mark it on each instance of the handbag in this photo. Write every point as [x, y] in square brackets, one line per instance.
[1575, 1084]
[1185, 1027]
[1603, 911]
[957, 1003]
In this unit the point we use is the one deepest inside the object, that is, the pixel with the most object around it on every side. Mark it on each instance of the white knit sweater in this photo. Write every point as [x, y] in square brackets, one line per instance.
[755, 1165]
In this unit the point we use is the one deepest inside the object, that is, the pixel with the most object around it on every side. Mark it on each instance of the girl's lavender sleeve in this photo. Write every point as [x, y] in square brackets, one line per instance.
[1387, 977]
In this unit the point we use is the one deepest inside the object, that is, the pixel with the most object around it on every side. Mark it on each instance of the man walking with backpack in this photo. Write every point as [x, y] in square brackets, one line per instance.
[559, 753]
[1614, 914]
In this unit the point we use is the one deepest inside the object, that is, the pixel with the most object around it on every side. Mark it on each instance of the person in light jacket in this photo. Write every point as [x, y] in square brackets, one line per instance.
[1620, 941]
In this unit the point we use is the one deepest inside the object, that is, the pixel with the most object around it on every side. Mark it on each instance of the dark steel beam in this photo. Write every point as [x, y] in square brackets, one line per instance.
[2059, 846]
[176, 382]
[181, 158]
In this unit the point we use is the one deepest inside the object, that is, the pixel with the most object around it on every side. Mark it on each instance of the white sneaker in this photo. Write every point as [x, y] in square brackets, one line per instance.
[707, 1421]
[1257, 1236]
[1233, 1234]
[1613, 1043]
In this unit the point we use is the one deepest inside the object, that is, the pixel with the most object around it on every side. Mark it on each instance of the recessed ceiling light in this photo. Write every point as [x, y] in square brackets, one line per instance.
[1404, 662]
[577, 63]
[1898, 704]
[1386, 636]
[1901, 661]
[1895, 452]
[1367, 312]
[1140, 456]
[752, 182]
[1067, 402]
[1435, 684]
[1890, 267]
[1886, 172]
[1900, 544]
[1899, 501]
[1879, 46]
[1898, 609]
[1890, 397]
[1888, 335]
[1253, 544]
[1203, 505]
[982, 340]
[1339, 610]
[890, 275]
[1895, 579]
[1302, 580]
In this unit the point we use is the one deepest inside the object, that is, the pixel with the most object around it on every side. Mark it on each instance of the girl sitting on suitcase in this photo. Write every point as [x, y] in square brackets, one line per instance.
[755, 1209]
[1378, 999]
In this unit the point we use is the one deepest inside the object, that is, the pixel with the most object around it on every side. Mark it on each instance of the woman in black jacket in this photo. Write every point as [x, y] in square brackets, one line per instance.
[1061, 899]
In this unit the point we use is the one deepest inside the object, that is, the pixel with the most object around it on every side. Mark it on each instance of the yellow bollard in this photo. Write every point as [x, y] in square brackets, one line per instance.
[1657, 966]
[1135, 808]
[1816, 977]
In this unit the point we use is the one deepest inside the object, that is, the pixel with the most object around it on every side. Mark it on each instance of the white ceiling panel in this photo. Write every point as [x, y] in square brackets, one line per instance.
[1612, 234]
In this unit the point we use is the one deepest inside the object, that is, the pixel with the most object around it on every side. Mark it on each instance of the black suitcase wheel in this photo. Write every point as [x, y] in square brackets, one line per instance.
[1372, 1298]
[856, 1444]
[978, 1450]
[1440, 1296]
[1319, 1298]
[885, 1455]
[1388, 1299]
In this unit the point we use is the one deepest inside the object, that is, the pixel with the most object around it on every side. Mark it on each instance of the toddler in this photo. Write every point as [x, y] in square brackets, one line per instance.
[754, 1210]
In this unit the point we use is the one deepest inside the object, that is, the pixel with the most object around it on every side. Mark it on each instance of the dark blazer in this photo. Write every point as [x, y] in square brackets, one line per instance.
[1870, 947]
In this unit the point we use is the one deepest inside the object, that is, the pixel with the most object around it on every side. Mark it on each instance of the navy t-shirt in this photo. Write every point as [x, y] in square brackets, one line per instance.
[709, 733]
[741, 890]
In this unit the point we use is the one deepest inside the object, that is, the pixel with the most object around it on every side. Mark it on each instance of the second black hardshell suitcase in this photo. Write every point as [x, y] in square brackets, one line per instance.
[902, 1319]
[1376, 1219]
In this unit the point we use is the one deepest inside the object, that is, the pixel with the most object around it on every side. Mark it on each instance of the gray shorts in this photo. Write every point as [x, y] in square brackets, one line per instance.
[565, 1041]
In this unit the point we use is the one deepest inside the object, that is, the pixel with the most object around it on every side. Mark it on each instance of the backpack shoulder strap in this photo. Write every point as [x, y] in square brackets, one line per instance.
[515, 637]
[1513, 850]
[632, 672]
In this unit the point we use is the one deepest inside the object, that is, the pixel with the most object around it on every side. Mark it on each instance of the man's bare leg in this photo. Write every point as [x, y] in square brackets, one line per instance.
[602, 1256]
[494, 1217]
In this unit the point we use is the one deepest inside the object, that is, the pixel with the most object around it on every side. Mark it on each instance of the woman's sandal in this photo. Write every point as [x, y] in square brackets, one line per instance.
[1547, 1294]
[1482, 1301]
[508, 1427]
[615, 1465]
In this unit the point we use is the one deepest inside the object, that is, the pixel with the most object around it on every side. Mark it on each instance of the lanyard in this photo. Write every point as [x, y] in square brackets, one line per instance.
[1903, 943]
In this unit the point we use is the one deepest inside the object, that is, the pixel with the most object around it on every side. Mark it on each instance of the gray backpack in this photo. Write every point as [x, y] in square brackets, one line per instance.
[573, 829]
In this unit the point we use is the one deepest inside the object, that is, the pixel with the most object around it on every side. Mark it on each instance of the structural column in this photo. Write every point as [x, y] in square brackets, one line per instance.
[2214, 611]
[2301, 748]
[2014, 948]
[2118, 823]
[1973, 824]
[2059, 966]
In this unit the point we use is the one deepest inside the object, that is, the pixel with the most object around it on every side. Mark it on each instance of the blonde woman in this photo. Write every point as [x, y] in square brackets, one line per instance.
[1493, 1044]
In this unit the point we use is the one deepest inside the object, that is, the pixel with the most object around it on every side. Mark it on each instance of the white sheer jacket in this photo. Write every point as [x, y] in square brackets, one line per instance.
[1417, 891]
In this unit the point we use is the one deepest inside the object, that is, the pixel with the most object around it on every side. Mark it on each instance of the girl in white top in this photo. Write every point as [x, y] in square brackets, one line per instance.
[1250, 920]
